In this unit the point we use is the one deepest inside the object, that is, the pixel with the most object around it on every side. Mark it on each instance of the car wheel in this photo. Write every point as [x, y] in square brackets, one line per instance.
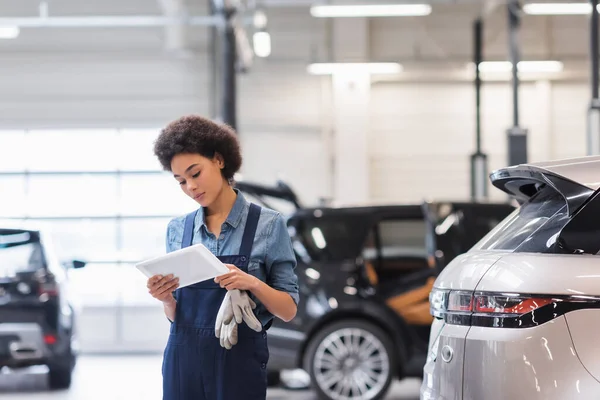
[59, 376]
[350, 360]
[61, 370]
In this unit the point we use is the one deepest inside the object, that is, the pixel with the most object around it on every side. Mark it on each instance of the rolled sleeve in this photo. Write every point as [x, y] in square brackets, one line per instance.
[168, 240]
[281, 260]
[169, 248]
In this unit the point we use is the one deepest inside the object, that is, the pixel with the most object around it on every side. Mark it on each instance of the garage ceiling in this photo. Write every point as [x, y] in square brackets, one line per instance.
[442, 38]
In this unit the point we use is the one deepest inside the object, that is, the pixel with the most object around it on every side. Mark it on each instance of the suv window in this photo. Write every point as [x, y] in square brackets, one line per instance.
[332, 238]
[542, 215]
[20, 252]
[482, 221]
[403, 238]
[396, 247]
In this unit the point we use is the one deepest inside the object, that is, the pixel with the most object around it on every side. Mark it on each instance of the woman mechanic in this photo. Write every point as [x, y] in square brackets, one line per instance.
[211, 355]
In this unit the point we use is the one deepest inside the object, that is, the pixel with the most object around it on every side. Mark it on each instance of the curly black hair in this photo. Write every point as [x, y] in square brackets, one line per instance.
[198, 135]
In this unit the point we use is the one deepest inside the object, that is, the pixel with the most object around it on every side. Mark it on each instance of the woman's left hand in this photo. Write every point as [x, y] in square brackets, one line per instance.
[236, 279]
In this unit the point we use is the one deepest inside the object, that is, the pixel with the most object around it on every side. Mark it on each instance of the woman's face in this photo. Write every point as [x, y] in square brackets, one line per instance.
[199, 177]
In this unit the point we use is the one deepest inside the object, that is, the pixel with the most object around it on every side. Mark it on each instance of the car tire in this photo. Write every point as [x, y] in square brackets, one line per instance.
[355, 350]
[59, 376]
[60, 370]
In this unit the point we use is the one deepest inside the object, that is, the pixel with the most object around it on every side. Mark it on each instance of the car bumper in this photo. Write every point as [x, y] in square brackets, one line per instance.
[533, 363]
[22, 344]
[284, 348]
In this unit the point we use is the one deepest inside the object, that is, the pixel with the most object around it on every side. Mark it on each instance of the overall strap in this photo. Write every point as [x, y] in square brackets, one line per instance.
[250, 230]
[188, 229]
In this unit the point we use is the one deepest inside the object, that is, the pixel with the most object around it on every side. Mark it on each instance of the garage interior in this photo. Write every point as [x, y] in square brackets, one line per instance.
[347, 111]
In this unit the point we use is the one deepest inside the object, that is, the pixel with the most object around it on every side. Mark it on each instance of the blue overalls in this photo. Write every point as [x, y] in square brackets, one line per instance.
[195, 366]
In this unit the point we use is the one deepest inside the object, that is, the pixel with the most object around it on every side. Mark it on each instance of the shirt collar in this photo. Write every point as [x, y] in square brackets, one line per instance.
[234, 217]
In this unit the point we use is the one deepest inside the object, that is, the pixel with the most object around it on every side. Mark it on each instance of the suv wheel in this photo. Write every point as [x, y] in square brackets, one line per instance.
[61, 370]
[59, 376]
[350, 359]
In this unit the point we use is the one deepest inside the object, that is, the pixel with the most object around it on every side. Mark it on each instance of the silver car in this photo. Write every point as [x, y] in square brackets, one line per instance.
[518, 316]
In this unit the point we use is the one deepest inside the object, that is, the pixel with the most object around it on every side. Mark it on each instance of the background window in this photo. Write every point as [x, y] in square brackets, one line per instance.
[85, 239]
[144, 238]
[152, 195]
[97, 284]
[74, 195]
[132, 287]
[71, 150]
[136, 150]
[11, 159]
[12, 196]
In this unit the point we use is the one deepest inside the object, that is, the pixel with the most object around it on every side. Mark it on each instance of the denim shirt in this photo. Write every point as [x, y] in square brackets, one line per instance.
[272, 259]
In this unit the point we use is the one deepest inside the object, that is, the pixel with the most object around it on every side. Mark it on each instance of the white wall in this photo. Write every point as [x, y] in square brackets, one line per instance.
[423, 134]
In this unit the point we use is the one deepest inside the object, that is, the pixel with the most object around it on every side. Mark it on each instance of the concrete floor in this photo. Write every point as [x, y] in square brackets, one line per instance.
[133, 378]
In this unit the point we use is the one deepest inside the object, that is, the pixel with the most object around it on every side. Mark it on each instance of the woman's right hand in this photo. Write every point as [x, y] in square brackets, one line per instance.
[161, 287]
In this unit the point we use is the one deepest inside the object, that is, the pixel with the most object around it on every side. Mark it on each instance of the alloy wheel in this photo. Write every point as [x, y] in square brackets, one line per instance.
[351, 364]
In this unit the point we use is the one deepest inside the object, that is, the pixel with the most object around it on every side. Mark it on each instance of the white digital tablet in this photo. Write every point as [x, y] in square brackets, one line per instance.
[191, 265]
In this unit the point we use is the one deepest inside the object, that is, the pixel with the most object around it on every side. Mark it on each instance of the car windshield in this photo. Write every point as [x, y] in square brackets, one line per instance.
[525, 221]
[19, 252]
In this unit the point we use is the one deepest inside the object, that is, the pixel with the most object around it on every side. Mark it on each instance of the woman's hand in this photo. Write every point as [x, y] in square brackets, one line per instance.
[236, 279]
[161, 287]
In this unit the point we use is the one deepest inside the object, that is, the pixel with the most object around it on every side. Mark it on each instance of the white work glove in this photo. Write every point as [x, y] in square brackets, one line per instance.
[225, 314]
[236, 307]
[229, 335]
[225, 325]
[242, 306]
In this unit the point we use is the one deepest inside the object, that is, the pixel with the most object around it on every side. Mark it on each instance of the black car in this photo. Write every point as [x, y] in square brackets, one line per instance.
[37, 319]
[365, 275]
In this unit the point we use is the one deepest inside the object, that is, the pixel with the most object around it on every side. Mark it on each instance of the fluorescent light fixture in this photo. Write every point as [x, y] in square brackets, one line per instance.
[260, 19]
[9, 32]
[318, 238]
[523, 66]
[372, 68]
[558, 8]
[262, 44]
[383, 10]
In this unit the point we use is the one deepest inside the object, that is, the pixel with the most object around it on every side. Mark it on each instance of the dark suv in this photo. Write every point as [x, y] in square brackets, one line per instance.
[365, 275]
[37, 320]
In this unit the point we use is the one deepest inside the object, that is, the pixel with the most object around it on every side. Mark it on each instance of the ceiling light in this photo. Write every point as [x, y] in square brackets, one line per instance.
[558, 8]
[383, 10]
[262, 44]
[260, 19]
[9, 32]
[523, 66]
[372, 68]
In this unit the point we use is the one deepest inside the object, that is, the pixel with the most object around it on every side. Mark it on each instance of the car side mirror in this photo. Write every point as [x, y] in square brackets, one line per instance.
[582, 233]
[75, 264]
